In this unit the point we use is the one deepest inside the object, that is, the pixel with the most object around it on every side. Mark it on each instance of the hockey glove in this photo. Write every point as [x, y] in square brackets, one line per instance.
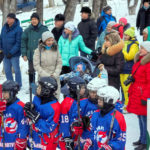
[69, 143]
[86, 122]
[105, 147]
[77, 128]
[87, 145]
[2, 105]
[20, 144]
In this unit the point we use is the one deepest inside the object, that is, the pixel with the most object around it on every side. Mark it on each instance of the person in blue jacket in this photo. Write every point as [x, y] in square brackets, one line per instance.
[14, 125]
[44, 113]
[10, 44]
[108, 124]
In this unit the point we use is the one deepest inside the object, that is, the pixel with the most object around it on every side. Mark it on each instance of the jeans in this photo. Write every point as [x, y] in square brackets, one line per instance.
[143, 128]
[8, 64]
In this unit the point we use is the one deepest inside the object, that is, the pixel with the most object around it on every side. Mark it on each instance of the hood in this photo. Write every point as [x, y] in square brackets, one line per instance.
[16, 23]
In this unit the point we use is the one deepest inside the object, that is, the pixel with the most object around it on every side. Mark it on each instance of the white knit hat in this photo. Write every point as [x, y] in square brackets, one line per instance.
[70, 26]
[146, 45]
[46, 35]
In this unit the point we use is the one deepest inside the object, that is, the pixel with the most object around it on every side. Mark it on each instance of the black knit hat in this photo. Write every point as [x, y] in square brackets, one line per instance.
[146, 1]
[59, 17]
[11, 15]
[86, 10]
[35, 15]
[106, 8]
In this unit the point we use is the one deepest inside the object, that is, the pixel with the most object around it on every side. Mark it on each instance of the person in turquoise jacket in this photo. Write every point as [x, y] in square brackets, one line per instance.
[146, 34]
[69, 44]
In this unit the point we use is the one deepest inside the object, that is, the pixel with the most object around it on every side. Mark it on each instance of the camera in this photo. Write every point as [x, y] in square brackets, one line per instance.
[129, 80]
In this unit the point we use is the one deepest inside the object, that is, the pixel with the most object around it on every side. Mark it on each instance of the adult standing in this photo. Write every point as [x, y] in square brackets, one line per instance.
[139, 91]
[29, 43]
[143, 17]
[88, 29]
[104, 19]
[59, 26]
[10, 44]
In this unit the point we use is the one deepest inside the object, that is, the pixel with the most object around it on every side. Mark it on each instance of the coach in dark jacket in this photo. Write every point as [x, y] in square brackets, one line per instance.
[10, 44]
[143, 17]
[112, 58]
[88, 29]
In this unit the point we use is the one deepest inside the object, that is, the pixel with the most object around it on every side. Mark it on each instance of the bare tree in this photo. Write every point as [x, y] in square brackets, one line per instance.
[132, 9]
[13, 6]
[51, 3]
[40, 9]
[5, 9]
[70, 10]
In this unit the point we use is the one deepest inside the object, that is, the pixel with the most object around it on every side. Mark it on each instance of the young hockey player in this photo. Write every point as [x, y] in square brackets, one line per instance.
[108, 124]
[14, 126]
[44, 113]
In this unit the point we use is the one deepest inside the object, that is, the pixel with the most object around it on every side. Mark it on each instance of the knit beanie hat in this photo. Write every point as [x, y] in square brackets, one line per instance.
[70, 26]
[35, 15]
[106, 8]
[59, 17]
[46, 35]
[86, 10]
[123, 20]
[146, 1]
[130, 31]
[146, 45]
[11, 15]
[111, 24]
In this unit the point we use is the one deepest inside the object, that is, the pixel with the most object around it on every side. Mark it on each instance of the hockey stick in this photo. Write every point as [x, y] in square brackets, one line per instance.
[79, 119]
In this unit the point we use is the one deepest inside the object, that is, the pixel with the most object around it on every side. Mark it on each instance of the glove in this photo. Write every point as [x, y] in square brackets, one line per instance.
[87, 144]
[2, 105]
[105, 147]
[77, 128]
[9, 56]
[20, 144]
[69, 143]
[143, 102]
[86, 122]
[94, 56]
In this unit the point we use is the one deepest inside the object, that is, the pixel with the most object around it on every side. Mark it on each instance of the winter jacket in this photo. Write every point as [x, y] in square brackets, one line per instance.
[140, 88]
[57, 32]
[103, 20]
[71, 48]
[129, 51]
[30, 39]
[88, 30]
[113, 61]
[10, 39]
[48, 62]
[143, 19]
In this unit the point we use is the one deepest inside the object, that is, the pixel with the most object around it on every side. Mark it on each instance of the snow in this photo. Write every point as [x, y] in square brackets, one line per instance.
[119, 10]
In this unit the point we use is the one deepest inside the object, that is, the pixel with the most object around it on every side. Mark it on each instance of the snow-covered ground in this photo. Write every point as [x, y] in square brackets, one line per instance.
[119, 10]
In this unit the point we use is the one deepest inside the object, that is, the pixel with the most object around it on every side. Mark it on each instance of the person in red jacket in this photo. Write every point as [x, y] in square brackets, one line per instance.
[139, 91]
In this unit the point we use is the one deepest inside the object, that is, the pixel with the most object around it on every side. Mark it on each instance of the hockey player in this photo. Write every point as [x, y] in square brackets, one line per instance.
[108, 124]
[69, 113]
[44, 113]
[14, 126]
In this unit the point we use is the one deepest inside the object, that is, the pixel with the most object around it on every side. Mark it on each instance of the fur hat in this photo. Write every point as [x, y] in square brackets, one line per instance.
[46, 35]
[130, 32]
[123, 20]
[86, 10]
[146, 45]
[59, 17]
[106, 8]
[70, 26]
[35, 15]
[11, 15]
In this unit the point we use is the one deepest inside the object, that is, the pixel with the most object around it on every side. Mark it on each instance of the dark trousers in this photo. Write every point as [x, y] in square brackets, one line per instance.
[31, 72]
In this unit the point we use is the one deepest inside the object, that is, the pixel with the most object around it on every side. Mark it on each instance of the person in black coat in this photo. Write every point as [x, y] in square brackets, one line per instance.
[88, 29]
[143, 17]
[59, 26]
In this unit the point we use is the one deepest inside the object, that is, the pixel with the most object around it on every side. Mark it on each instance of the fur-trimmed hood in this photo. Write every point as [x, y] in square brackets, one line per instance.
[144, 60]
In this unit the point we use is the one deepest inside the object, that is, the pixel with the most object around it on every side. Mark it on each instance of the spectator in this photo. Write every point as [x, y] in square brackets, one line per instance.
[104, 19]
[10, 44]
[47, 59]
[88, 29]
[101, 38]
[143, 17]
[139, 92]
[146, 34]
[59, 26]
[112, 58]
[29, 43]
[69, 44]
[129, 51]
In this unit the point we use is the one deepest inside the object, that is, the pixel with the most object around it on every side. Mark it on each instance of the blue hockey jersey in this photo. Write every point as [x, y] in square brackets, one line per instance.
[101, 128]
[15, 125]
[46, 129]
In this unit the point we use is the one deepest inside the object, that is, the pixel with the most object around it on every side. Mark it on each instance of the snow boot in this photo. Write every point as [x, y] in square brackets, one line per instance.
[137, 143]
[141, 147]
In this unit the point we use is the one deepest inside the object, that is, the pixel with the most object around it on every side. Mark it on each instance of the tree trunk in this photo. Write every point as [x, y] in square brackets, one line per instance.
[40, 9]
[13, 6]
[90, 3]
[6, 4]
[51, 3]
[82, 3]
[132, 9]
[70, 10]
[103, 3]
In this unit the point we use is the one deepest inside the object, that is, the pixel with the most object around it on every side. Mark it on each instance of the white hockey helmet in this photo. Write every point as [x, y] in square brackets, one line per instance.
[96, 83]
[108, 93]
